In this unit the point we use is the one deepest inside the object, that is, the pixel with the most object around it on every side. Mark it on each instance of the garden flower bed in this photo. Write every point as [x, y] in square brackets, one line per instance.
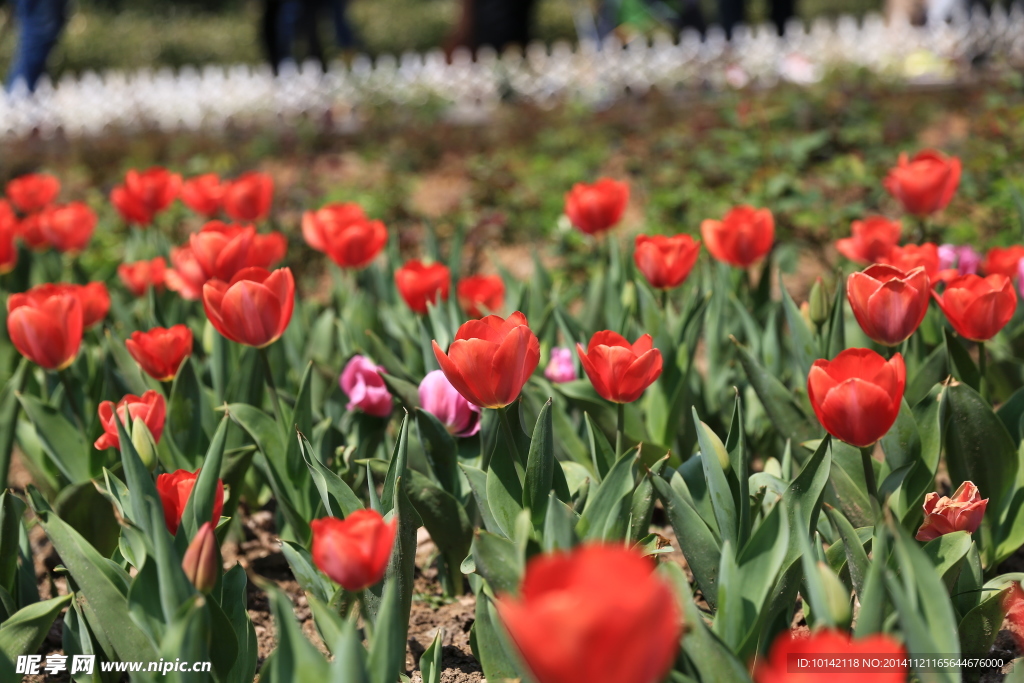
[716, 423]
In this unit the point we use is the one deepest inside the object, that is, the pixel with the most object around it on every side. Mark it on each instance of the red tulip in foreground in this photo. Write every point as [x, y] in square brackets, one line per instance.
[963, 511]
[151, 408]
[345, 234]
[620, 371]
[203, 194]
[419, 283]
[145, 194]
[873, 238]
[201, 562]
[597, 614]
[741, 238]
[254, 308]
[789, 646]
[354, 552]
[857, 395]
[924, 184]
[8, 231]
[160, 351]
[46, 329]
[889, 304]
[1003, 261]
[491, 359]
[68, 228]
[33, 192]
[598, 207]
[912, 256]
[141, 275]
[978, 307]
[478, 294]
[248, 197]
[174, 490]
[222, 249]
[666, 262]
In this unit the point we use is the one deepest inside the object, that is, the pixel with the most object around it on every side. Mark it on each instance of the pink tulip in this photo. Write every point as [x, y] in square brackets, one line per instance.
[365, 388]
[439, 398]
[962, 257]
[560, 368]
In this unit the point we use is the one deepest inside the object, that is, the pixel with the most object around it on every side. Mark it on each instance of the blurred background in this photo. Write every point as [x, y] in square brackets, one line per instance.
[129, 34]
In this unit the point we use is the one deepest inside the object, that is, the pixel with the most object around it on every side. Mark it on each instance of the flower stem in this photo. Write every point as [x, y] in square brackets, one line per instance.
[275, 400]
[869, 471]
[664, 301]
[620, 428]
[982, 368]
[506, 429]
[365, 613]
[69, 392]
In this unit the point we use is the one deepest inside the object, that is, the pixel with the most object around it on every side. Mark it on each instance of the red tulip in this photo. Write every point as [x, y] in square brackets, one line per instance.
[151, 408]
[1003, 261]
[132, 209]
[598, 207]
[911, 256]
[924, 184]
[345, 234]
[30, 229]
[161, 351]
[46, 329]
[666, 262]
[187, 276]
[69, 227]
[978, 307]
[889, 304]
[8, 231]
[33, 192]
[419, 283]
[741, 238]
[201, 562]
[620, 371]
[203, 194]
[962, 511]
[481, 293]
[873, 238]
[857, 395]
[174, 490]
[491, 359]
[354, 552]
[597, 614]
[93, 297]
[254, 308]
[222, 249]
[248, 198]
[141, 275]
[145, 194]
[789, 647]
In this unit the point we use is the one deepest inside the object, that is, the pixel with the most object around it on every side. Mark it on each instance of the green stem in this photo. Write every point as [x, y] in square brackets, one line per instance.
[982, 367]
[365, 612]
[664, 300]
[275, 400]
[506, 429]
[620, 428]
[69, 393]
[869, 471]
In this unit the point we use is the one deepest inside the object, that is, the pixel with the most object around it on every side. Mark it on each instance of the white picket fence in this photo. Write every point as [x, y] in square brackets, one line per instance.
[216, 97]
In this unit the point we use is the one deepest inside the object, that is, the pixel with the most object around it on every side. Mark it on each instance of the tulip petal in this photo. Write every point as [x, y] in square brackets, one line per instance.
[857, 412]
[514, 361]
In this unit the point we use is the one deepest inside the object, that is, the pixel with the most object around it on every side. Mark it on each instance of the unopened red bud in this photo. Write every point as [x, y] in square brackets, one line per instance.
[202, 559]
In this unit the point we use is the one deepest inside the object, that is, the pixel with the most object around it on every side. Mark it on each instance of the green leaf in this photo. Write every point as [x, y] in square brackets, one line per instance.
[26, 629]
[872, 598]
[200, 505]
[330, 486]
[309, 578]
[837, 320]
[1010, 413]
[497, 560]
[441, 450]
[929, 373]
[540, 467]
[407, 392]
[759, 563]
[126, 365]
[295, 658]
[430, 660]
[442, 515]
[787, 416]
[847, 487]
[801, 338]
[978, 447]
[714, 457]
[504, 487]
[600, 450]
[559, 526]
[698, 544]
[143, 493]
[387, 651]
[349, 665]
[947, 553]
[478, 484]
[64, 443]
[960, 363]
[490, 648]
[185, 408]
[9, 407]
[605, 504]
[396, 468]
[979, 627]
[12, 511]
[856, 558]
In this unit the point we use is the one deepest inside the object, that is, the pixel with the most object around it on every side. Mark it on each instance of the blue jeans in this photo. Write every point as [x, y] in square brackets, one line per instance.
[40, 23]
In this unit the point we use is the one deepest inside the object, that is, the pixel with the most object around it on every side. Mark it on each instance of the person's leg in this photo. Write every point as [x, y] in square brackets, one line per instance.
[39, 25]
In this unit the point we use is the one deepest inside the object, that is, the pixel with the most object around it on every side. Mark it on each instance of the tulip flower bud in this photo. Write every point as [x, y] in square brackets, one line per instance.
[837, 597]
[142, 439]
[628, 296]
[805, 313]
[202, 559]
[819, 303]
